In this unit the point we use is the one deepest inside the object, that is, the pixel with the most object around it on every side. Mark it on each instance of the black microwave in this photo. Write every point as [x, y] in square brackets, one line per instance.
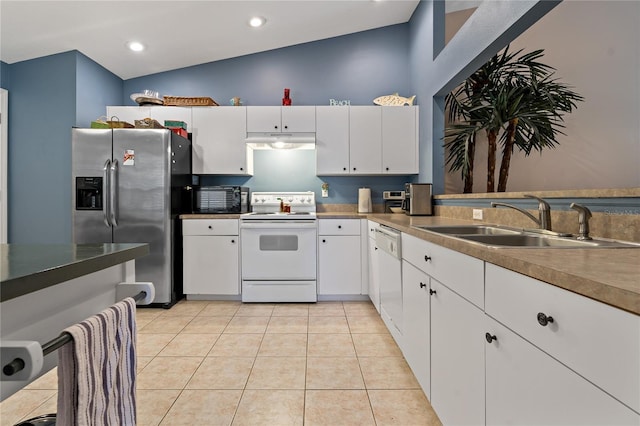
[221, 199]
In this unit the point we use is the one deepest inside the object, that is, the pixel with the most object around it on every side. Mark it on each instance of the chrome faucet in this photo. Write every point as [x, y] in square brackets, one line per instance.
[583, 220]
[544, 212]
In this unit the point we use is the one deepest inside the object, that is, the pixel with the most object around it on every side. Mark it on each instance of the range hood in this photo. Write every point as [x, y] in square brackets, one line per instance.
[281, 140]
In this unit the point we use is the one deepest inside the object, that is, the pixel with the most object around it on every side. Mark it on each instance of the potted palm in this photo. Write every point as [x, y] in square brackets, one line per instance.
[517, 102]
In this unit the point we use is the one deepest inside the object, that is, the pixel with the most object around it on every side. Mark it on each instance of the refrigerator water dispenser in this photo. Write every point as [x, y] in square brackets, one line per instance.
[89, 193]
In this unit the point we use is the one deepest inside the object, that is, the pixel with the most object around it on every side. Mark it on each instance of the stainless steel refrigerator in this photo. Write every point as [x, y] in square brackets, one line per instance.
[129, 187]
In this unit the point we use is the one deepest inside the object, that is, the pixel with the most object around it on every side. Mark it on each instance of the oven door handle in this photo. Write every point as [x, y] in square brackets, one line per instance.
[278, 224]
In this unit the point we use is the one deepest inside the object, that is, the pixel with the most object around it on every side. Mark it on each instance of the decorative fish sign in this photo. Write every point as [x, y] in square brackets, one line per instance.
[393, 100]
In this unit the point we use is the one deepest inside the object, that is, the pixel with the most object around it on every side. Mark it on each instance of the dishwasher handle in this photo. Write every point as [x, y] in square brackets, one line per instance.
[389, 241]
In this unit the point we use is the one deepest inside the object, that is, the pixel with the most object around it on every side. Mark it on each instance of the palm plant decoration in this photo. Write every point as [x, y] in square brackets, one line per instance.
[516, 102]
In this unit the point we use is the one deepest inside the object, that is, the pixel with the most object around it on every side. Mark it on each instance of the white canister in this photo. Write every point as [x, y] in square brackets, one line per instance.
[364, 200]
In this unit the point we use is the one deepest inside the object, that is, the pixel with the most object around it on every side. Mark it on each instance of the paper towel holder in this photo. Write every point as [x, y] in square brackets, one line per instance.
[364, 200]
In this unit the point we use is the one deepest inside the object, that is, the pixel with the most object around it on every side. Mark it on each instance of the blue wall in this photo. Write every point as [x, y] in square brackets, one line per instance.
[95, 88]
[41, 114]
[359, 67]
[4, 75]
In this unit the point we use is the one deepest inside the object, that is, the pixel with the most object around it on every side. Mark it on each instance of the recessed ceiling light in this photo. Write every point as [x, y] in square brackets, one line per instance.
[136, 46]
[257, 21]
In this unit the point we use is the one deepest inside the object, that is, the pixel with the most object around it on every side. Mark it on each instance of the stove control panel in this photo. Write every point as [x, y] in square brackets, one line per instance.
[270, 201]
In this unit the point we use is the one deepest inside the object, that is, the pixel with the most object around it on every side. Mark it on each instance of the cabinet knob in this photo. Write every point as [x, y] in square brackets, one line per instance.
[275, 127]
[241, 168]
[543, 319]
[344, 168]
[339, 226]
[233, 241]
[286, 127]
[422, 285]
[375, 248]
[387, 169]
[490, 338]
[354, 168]
[432, 291]
[324, 241]
[210, 227]
[427, 258]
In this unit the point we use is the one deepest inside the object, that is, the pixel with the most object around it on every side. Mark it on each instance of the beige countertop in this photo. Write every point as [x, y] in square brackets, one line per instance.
[609, 275]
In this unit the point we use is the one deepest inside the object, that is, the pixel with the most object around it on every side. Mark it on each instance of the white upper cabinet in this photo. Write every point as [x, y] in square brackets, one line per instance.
[332, 140]
[399, 140]
[365, 140]
[275, 119]
[219, 145]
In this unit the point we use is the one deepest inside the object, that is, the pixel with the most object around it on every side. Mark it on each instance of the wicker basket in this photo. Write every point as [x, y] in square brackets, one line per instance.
[148, 123]
[114, 123]
[184, 101]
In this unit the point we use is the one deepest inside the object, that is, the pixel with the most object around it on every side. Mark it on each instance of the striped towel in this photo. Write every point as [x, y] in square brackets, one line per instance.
[97, 371]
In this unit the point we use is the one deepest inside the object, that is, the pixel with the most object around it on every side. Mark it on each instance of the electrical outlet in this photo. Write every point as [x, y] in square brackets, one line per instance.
[477, 214]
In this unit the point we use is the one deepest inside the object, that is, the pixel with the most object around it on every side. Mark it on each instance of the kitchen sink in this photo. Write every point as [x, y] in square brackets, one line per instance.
[503, 237]
[471, 229]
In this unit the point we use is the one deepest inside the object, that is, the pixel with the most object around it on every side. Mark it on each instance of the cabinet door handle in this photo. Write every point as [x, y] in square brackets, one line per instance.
[432, 291]
[427, 258]
[490, 338]
[543, 319]
[422, 285]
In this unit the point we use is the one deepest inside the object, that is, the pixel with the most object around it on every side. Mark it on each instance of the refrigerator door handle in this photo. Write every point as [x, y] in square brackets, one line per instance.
[106, 191]
[113, 193]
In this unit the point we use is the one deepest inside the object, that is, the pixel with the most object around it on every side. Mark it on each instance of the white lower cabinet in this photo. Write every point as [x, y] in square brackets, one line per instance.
[457, 358]
[339, 257]
[211, 257]
[525, 386]
[596, 341]
[416, 323]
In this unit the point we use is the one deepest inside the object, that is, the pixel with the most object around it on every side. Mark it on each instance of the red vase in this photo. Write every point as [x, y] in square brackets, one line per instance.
[286, 101]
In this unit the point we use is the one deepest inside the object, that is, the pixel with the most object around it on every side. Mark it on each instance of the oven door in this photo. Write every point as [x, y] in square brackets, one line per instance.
[278, 249]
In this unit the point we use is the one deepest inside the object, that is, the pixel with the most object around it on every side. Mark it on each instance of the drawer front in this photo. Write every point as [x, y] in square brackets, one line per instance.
[339, 227]
[210, 227]
[461, 273]
[599, 342]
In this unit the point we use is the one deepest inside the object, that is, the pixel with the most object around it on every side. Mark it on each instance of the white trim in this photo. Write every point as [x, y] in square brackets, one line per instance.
[4, 129]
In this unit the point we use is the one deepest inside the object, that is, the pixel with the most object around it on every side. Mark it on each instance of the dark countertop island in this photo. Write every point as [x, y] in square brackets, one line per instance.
[26, 268]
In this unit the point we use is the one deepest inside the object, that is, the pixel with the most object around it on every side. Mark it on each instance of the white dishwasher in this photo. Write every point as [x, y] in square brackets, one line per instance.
[390, 267]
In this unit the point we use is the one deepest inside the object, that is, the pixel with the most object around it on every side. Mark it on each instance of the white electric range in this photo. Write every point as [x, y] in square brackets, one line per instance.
[279, 248]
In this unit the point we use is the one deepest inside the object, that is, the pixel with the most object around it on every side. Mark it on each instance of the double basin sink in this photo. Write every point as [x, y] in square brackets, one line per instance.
[505, 237]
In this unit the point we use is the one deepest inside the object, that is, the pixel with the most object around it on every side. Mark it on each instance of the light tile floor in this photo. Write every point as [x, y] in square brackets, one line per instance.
[228, 363]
